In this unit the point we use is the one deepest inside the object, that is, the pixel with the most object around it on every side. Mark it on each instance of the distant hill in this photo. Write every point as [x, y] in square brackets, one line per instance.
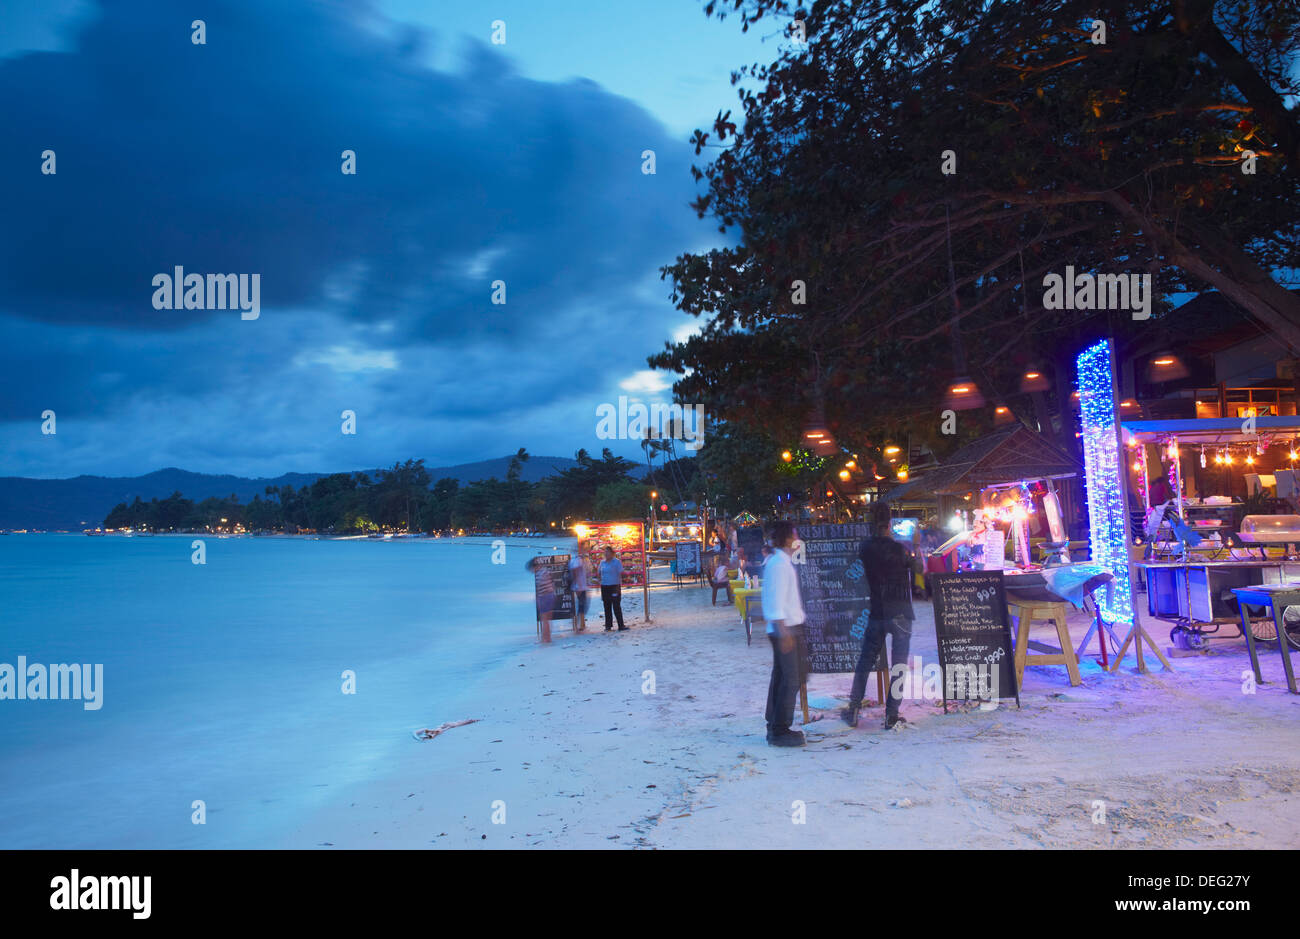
[82, 502]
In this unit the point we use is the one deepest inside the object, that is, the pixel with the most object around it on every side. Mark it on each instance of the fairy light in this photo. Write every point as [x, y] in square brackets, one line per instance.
[1107, 514]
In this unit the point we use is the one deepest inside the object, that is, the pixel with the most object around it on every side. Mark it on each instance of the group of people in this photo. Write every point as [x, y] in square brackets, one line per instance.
[887, 566]
[576, 580]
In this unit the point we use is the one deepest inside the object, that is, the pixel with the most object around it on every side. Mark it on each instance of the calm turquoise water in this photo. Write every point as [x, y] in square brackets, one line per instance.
[222, 682]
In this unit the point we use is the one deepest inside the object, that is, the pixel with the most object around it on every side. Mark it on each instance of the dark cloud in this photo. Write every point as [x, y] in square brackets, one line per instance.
[225, 158]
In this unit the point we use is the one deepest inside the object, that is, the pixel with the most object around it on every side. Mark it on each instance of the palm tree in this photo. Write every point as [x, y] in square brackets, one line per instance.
[512, 477]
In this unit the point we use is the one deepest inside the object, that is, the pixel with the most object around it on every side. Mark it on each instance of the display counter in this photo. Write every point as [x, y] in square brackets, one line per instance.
[1199, 591]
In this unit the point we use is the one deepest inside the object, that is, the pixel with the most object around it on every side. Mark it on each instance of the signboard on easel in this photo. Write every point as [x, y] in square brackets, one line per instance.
[549, 576]
[836, 605]
[974, 634]
[749, 540]
[688, 556]
[833, 587]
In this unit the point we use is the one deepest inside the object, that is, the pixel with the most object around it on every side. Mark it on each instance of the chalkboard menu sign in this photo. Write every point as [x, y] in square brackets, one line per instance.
[749, 539]
[549, 576]
[688, 559]
[970, 622]
[834, 592]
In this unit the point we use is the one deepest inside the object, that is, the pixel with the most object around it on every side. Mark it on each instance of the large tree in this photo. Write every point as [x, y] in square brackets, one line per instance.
[1122, 156]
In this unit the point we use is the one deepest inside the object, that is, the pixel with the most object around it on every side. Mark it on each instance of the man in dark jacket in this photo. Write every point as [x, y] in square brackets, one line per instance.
[888, 569]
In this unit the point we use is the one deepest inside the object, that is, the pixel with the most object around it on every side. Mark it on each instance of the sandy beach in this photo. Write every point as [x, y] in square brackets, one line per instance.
[568, 752]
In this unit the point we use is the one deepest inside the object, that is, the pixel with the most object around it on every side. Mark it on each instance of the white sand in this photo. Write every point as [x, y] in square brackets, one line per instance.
[581, 758]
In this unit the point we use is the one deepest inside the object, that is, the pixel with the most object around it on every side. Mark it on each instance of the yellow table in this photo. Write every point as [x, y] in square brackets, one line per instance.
[743, 596]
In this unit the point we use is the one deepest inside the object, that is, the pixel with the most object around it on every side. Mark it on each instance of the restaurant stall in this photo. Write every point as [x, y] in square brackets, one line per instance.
[1006, 495]
[1195, 571]
[1215, 510]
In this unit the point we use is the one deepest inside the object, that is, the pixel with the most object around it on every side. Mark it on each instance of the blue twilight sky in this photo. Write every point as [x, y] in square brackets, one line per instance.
[475, 162]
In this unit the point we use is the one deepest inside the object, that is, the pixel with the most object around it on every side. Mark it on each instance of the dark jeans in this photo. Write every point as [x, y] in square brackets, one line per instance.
[787, 676]
[612, 597]
[873, 645]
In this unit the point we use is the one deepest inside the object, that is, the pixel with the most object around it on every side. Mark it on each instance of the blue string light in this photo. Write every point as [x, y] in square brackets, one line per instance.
[1107, 514]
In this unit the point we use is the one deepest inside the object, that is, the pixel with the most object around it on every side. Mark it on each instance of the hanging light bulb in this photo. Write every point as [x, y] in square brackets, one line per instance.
[1033, 380]
[963, 395]
[1164, 367]
[1202, 458]
[1218, 458]
[1250, 459]
[1228, 459]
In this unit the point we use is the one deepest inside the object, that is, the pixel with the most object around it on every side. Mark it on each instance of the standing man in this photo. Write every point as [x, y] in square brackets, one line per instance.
[578, 585]
[611, 589]
[783, 610]
[888, 568]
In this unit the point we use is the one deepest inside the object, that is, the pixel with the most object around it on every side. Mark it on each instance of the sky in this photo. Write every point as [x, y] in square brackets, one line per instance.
[475, 162]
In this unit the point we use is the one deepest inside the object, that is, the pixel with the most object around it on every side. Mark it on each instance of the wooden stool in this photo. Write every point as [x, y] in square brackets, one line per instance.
[1024, 613]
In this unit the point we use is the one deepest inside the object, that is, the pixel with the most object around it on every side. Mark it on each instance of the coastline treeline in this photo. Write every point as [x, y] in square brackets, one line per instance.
[406, 499]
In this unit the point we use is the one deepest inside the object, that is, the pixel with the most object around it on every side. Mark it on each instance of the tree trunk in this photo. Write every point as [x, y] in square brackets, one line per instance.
[1242, 280]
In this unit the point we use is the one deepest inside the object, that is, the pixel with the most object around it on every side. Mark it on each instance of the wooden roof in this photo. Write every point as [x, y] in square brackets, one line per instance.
[1007, 455]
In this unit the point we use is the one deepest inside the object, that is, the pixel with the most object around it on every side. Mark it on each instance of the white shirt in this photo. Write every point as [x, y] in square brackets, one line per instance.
[579, 572]
[781, 592]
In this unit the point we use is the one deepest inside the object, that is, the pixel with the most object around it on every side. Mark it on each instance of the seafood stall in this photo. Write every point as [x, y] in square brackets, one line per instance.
[1219, 514]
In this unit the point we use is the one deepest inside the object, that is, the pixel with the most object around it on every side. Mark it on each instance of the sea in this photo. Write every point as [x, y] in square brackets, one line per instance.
[224, 683]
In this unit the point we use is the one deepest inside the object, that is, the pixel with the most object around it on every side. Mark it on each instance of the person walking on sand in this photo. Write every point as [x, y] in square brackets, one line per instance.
[578, 587]
[611, 589]
[545, 588]
[783, 610]
[888, 569]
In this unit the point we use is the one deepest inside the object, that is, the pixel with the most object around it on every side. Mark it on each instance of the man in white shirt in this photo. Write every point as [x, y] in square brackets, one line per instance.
[783, 610]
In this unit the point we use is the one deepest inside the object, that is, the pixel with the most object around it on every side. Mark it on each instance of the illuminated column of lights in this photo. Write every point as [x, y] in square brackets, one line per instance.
[1107, 513]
